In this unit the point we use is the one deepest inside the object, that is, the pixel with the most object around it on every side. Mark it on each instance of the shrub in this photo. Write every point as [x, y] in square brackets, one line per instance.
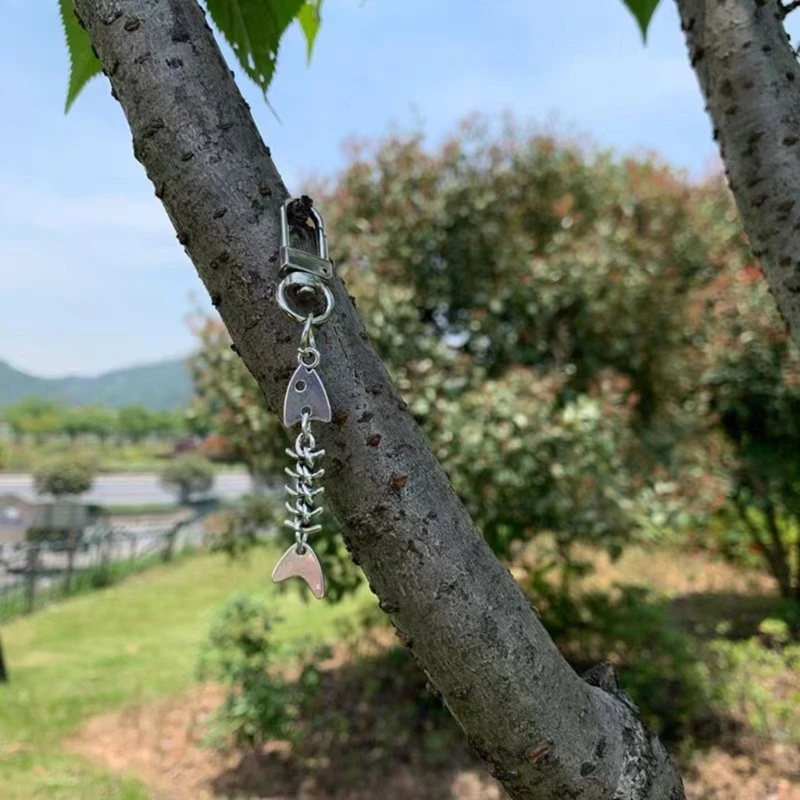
[758, 682]
[188, 476]
[64, 476]
[241, 653]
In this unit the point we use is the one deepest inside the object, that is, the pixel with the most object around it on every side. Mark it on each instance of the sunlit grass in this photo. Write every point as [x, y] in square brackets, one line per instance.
[116, 647]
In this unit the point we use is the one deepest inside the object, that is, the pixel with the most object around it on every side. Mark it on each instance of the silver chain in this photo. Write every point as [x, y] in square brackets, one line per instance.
[302, 503]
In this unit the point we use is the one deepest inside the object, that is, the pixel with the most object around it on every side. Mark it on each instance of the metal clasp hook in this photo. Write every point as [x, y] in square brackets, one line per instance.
[304, 270]
[294, 259]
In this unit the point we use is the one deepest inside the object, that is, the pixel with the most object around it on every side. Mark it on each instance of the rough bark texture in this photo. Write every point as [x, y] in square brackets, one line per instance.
[751, 81]
[541, 730]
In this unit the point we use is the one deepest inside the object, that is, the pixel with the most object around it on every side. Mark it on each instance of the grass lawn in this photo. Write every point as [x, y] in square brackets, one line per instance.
[118, 647]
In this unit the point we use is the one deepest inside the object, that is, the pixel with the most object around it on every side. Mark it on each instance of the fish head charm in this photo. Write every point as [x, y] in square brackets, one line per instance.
[305, 392]
[301, 564]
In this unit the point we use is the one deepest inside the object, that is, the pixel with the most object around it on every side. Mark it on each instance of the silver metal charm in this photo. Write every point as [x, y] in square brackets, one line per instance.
[305, 400]
[305, 392]
[305, 565]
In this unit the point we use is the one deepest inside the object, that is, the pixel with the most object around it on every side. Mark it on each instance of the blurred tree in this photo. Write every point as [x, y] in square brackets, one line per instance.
[136, 422]
[64, 476]
[35, 417]
[752, 381]
[168, 424]
[188, 476]
[89, 420]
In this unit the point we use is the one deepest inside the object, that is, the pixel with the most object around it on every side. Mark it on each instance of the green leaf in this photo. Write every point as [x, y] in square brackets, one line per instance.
[310, 19]
[254, 28]
[84, 64]
[643, 10]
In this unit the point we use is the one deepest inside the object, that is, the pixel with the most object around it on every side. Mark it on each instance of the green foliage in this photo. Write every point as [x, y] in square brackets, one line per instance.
[531, 298]
[751, 384]
[310, 19]
[84, 64]
[65, 476]
[254, 29]
[760, 685]
[643, 10]
[134, 422]
[524, 463]
[188, 476]
[34, 416]
[89, 420]
[41, 419]
[241, 653]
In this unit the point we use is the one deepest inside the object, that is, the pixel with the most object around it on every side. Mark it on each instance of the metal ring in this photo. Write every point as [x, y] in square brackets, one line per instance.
[304, 279]
[313, 362]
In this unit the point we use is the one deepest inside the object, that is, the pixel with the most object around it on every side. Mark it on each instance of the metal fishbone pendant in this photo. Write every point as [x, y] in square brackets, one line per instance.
[305, 400]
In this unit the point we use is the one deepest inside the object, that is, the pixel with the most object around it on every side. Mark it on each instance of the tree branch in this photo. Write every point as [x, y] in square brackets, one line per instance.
[755, 535]
[787, 8]
[462, 615]
[750, 77]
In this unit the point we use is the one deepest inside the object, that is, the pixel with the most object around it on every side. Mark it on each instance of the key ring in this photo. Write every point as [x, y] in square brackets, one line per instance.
[306, 280]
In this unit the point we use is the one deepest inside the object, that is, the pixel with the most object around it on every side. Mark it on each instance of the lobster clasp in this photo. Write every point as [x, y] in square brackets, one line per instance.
[295, 260]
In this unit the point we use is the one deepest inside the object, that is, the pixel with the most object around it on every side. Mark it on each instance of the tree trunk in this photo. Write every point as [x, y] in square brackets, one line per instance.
[3, 668]
[541, 730]
[751, 81]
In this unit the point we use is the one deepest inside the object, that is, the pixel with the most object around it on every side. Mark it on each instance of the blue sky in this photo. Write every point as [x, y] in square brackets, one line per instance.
[91, 277]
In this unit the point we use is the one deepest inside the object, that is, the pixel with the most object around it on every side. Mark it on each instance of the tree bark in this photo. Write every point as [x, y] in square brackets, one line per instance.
[541, 730]
[751, 81]
[3, 668]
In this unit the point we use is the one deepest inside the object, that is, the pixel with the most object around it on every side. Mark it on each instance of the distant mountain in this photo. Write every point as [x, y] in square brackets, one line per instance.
[166, 384]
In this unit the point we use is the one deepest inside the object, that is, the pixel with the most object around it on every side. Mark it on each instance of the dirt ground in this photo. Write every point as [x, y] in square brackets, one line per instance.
[163, 744]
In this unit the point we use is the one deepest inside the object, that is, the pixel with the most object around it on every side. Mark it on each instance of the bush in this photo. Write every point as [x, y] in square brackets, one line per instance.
[64, 476]
[758, 681]
[240, 652]
[188, 476]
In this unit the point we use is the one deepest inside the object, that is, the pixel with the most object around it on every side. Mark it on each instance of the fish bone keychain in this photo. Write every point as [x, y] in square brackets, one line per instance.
[305, 400]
